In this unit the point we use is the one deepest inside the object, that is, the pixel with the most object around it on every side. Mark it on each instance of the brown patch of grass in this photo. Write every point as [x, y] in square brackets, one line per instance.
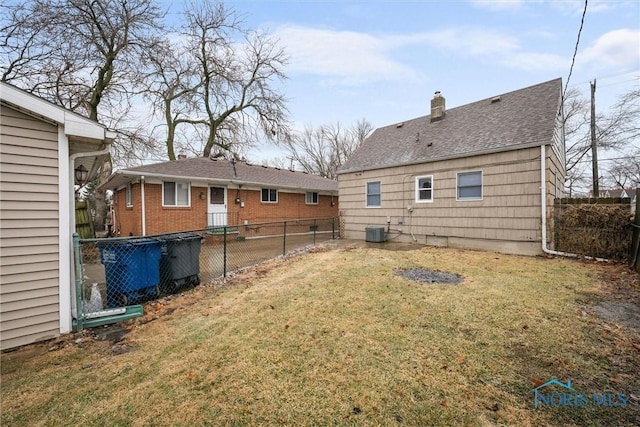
[337, 338]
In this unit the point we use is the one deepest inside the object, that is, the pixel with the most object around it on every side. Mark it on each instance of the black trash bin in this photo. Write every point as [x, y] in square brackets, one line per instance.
[180, 261]
[131, 269]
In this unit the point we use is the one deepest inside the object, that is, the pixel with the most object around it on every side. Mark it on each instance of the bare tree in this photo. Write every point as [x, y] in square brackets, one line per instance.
[624, 172]
[617, 132]
[83, 55]
[21, 45]
[322, 150]
[78, 52]
[171, 86]
[235, 69]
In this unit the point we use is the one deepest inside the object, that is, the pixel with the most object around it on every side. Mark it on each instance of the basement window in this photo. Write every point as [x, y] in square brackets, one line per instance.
[175, 193]
[269, 195]
[424, 189]
[312, 198]
[469, 186]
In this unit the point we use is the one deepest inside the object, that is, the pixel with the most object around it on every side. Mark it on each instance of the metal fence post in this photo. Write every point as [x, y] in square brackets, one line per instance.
[315, 228]
[284, 239]
[77, 251]
[333, 228]
[224, 253]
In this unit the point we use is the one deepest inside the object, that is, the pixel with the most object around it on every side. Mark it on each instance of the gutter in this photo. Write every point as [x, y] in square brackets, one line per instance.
[75, 298]
[543, 204]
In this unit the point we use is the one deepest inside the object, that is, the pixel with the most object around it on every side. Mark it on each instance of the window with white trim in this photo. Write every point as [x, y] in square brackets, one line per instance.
[374, 194]
[469, 185]
[269, 195]
[424, 189]
[128, 196]
[175, 193]
[312, 198]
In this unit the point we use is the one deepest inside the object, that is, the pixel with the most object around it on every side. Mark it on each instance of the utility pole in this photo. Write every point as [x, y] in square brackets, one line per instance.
[594, 147]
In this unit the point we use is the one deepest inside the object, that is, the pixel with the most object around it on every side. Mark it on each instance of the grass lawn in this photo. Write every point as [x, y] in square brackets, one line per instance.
[336, 337]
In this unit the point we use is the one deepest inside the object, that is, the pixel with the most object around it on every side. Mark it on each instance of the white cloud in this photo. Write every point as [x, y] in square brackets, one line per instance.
[493, 45]
[352, 56]
[532, 61]
[472, 41]
[576, 7]
[568, 7]
[498, 4]
[349, 58]
[616, 49]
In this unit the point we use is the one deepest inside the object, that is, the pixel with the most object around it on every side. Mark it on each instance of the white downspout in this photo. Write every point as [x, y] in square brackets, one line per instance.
[543, 195]
[143, 207]
[68, 307]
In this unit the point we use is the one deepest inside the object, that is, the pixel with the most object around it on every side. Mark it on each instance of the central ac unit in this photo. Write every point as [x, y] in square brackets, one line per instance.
[375, 234]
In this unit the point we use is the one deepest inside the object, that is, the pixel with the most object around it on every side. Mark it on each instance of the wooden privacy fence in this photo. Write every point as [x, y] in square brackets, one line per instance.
[596, 227]
[84, 220]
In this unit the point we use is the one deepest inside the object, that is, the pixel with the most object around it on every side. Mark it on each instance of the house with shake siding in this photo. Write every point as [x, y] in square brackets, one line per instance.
[41, 144]
[200, 192]
[480, 176]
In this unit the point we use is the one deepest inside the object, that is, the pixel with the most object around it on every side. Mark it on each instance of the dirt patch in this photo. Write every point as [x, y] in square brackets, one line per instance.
[624, 313]
[423, 275]
[620, 297]
[112, 333]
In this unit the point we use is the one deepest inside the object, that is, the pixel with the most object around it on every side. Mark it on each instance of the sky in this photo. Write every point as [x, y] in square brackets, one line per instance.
[382, 60]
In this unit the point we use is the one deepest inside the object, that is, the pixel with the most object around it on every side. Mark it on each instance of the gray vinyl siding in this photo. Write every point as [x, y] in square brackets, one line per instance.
[508, 212]
[29, 224]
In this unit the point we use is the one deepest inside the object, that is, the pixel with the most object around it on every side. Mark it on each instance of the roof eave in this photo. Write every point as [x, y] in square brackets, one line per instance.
[114, 182]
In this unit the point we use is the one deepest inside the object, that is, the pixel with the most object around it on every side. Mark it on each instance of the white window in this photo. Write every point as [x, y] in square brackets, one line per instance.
[128, 195]
[269, 195]
[374, 194]
[424, 189]
[175, 193]
[470, 185]
[312, 198]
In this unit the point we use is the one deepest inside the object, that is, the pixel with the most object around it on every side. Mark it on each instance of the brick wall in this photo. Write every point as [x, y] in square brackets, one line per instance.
[165, 219]
[127, 219]
[289, 206]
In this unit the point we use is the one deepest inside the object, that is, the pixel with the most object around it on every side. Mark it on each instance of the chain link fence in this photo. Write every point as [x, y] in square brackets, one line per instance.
[112, 275]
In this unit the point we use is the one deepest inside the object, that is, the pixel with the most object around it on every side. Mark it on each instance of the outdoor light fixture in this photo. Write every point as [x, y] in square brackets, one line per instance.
[81, 175]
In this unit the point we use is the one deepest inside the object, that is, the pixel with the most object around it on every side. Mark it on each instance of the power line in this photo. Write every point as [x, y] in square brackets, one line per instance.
[575, 51]
[633, 75]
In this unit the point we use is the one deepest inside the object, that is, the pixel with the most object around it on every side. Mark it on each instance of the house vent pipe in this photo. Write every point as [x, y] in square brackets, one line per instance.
[543, 195]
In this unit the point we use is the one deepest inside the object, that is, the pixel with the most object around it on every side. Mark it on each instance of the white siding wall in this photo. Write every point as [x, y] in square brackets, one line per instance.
[507, 219]
[29, 221]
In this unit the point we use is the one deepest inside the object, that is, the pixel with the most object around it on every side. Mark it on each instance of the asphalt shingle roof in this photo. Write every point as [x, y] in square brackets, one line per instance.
[520, 118]
[223, 170]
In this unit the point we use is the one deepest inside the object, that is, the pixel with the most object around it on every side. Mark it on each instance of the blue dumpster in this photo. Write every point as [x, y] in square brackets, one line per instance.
[180, 261]
[132, 269]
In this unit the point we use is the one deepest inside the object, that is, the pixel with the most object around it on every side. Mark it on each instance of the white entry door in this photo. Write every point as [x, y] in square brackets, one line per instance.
[217, 212]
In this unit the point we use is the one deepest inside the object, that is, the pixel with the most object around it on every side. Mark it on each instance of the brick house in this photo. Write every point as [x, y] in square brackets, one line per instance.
[197, 193]
[482, 175]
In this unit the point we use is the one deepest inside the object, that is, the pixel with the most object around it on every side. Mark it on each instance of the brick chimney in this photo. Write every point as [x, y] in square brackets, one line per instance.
[437, 107]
